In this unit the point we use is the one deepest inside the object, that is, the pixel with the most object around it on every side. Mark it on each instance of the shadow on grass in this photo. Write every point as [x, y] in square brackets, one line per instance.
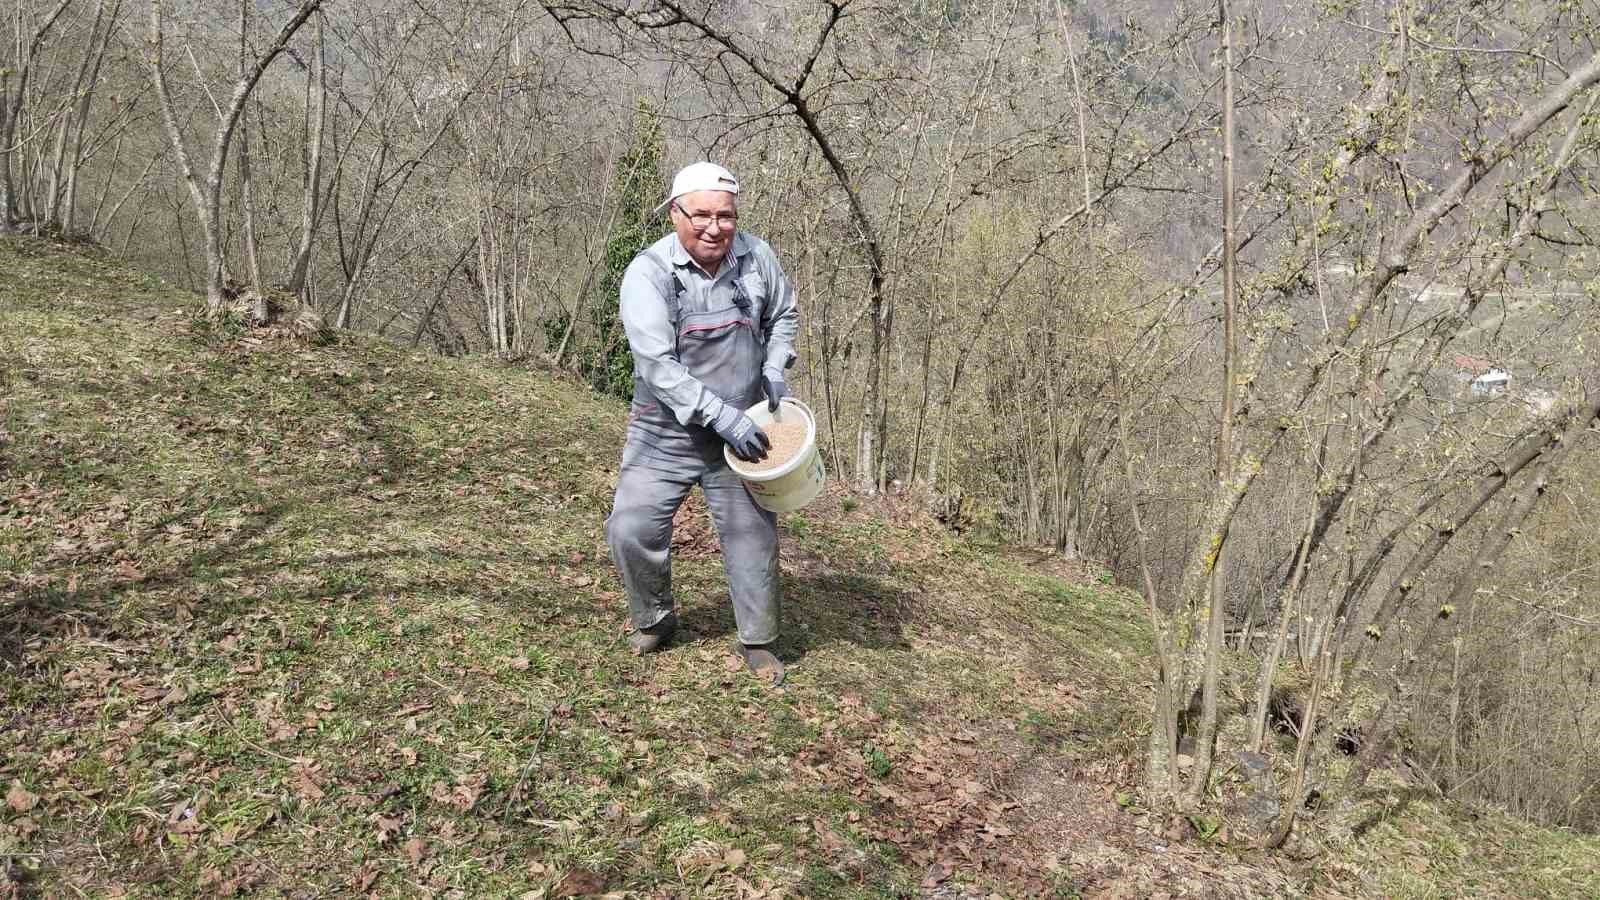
[227, 573]
[818, 610]
[93, 608]
[292, 496]
[839, 607]
[1389, 806]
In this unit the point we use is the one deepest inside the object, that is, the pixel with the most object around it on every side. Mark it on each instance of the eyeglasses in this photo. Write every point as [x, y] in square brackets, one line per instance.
[702, 221]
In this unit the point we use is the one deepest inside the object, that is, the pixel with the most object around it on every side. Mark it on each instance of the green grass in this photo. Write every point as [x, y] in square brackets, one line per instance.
[1404, 844]
[341, 620]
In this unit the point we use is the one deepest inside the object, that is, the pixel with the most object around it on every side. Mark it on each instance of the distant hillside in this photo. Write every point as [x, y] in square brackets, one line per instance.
[339, 621]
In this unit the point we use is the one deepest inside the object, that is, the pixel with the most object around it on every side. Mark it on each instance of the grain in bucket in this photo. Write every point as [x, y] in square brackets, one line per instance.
[792, 475]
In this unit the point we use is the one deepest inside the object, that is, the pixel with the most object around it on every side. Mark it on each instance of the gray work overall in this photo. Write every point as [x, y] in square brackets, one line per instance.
[662, 459]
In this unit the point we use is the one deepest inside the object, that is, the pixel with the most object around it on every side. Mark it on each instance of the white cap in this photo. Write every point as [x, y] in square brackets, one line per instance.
[700, 176]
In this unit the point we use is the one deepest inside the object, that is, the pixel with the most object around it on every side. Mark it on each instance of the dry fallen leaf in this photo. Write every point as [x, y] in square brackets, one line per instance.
[387, 827]
[306, 786]
[19, 799]
[579, 883]
[59, 757]
[415, 850]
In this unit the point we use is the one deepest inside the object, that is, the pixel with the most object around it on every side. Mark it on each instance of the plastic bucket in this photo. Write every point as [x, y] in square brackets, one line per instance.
[793, 484]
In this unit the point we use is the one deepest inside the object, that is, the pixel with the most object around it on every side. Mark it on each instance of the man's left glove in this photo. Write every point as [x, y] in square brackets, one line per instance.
[775, 390]
[742, 435]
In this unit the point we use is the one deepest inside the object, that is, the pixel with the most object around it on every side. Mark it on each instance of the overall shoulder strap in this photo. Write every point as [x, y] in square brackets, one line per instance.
[671, 288]
[740, 298]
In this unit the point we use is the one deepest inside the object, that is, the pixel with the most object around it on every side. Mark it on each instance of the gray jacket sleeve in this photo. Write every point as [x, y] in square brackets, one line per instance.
[780, 319]
[654, 346]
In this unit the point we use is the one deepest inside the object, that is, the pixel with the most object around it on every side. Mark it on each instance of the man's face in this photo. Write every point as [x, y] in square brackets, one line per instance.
[709, 244]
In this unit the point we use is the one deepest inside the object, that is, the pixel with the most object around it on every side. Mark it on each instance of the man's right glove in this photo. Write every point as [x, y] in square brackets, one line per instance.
[747, 442]
[775, 390]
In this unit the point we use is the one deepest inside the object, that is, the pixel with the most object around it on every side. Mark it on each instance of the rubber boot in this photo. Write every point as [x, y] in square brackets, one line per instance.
[654, 638]
[762, 662]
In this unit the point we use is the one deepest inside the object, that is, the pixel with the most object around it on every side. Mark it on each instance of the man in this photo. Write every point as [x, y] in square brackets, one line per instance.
[711, 321]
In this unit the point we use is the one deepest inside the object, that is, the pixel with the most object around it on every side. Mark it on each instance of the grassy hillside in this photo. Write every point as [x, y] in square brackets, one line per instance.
[339, 621]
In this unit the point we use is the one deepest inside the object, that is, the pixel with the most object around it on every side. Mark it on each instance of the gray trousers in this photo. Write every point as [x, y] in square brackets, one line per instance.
[650, 489]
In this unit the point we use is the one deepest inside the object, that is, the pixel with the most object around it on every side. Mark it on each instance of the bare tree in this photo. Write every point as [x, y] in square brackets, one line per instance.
[1346, 349]
[1205, 744]
[207, 194]
[313, 126]
[68, 159]
[11, 106]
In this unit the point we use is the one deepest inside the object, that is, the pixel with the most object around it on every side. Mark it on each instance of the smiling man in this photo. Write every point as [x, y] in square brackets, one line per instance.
[711, 321]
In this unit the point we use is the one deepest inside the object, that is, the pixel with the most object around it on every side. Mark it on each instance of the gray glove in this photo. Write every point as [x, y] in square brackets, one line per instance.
[747, 442]
[775, 390]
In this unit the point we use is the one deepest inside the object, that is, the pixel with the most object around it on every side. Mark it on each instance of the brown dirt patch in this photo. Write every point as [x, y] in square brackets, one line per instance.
[973, 804]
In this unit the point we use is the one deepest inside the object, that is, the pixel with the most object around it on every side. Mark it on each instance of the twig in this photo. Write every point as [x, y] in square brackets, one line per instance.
[437, 683]
[1451, 48]
[200, 76]
[223, 715]
[533, 757]
[1566, 617]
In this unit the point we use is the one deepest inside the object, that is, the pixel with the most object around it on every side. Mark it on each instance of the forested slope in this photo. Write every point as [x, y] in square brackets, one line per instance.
[338, 620]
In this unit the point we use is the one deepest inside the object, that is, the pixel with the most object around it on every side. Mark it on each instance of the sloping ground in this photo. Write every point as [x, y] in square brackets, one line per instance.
[339, 621]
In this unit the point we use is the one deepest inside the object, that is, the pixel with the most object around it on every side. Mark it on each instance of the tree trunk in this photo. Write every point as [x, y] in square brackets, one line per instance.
[246, 187]
[207, 196]
[75, 165]
[11, 112]
[438, 294]
[881, 415]
[62, 165]
[1205, 743]
[312, 131]
[355, 261]
[927, 391]
[1269, 665]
